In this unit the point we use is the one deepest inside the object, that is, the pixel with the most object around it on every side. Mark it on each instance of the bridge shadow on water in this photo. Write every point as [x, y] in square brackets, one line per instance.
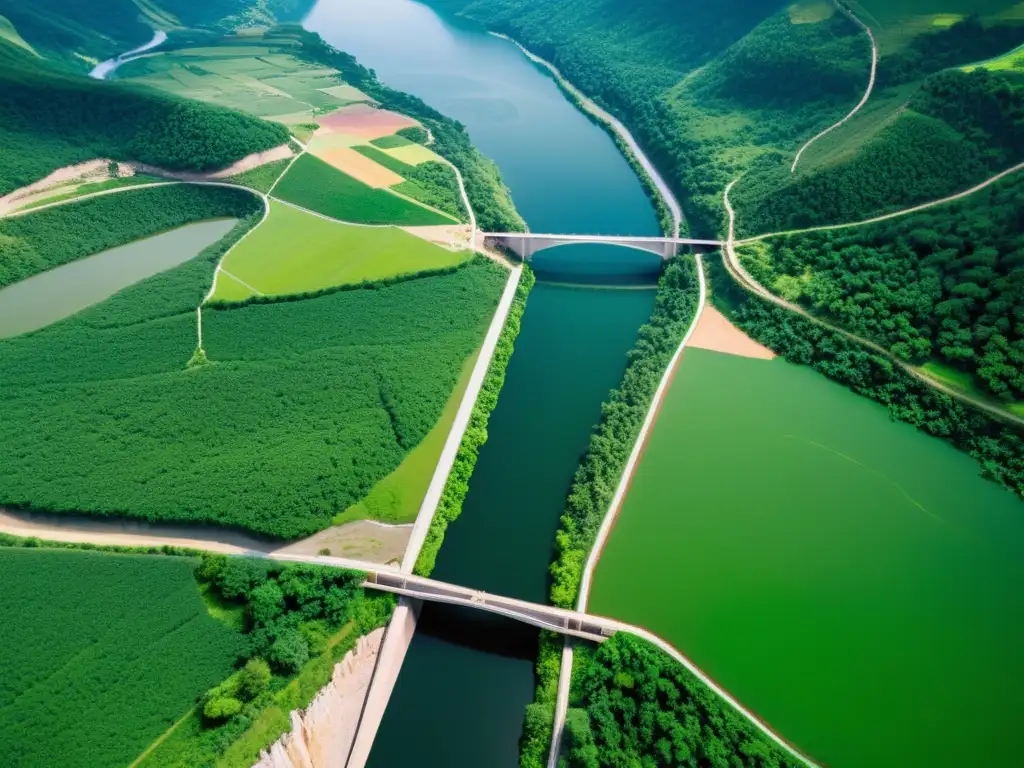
[479, 631]
[602, 266]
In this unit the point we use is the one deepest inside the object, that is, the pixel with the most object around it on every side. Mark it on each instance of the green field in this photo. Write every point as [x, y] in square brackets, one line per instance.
[393, 142]
[304, 408]
[897, 22]
[10, 34]
[313, 184]
[296, 252]
[100, 654]
[264, 81]
[838, 573]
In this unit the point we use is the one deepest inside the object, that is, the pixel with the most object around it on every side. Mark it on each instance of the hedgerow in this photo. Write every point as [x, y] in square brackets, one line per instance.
[119, 647]
[622, 416]
[450, 505]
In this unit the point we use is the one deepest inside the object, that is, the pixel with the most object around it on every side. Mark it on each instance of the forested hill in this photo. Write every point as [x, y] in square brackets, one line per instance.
[49, 119]
[77, 33]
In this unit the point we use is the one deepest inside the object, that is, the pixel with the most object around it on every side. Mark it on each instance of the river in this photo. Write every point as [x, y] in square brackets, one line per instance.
[461, 695]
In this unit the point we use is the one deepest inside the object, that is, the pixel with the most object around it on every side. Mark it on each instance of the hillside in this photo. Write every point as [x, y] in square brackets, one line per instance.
[49, 119]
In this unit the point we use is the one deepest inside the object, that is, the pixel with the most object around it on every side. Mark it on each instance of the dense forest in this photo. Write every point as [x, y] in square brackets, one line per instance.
[265, 415]
[49, 119]
[946, 284]
[958, 129]
[621, 418]
[633, 705]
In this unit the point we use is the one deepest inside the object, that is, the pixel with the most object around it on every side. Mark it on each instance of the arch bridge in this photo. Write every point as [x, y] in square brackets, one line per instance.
[526, 244]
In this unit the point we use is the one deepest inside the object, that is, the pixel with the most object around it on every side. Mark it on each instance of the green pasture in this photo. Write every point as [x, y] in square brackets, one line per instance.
[248, 78]
[101, 652]
[313, 184]
[10, 34]
[392, 142]
[296, 252]
[839, 573]
[1012, 61]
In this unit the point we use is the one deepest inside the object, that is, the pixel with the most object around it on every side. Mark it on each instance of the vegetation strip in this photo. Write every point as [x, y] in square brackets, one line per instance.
[423, 551]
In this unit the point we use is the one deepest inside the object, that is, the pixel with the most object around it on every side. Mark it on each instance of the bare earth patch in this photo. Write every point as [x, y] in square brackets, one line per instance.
[715, 332]
[362, 540]
[359, 167]
[365, 122]
[453, 237]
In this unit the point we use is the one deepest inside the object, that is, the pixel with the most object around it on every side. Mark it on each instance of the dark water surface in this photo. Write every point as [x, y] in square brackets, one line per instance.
[462, 691]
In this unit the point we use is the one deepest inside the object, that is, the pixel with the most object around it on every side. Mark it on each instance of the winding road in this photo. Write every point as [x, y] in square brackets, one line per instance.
[864, 98]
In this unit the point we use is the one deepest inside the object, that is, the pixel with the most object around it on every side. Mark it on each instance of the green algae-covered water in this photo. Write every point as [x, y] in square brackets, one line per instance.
[853, 581]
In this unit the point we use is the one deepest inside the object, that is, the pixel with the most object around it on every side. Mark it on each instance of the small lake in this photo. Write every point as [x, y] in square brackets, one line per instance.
[50, 296]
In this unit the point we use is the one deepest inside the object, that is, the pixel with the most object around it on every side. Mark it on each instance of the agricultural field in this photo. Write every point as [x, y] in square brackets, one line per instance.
[315, 185]
[265, 81]
[905, 558]
[302, 408]
[121, 646]
[296, 252]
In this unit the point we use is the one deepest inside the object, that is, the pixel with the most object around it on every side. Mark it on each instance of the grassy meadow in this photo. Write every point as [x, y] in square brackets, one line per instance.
[828, 541]
[296, 252]
[313, 184]
[121, 646]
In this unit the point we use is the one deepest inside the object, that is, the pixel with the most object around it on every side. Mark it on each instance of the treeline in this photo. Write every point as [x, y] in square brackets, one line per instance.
[297, 621]
[621, 418]
[49, 119]
[457, 486]
[491, 199]
[632, 704]
[946, 284]
[539, 721]
[51, 237]
[958, 129]
[998, 447]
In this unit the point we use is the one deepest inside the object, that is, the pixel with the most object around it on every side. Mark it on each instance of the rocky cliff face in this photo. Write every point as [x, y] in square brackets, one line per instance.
[322, 734]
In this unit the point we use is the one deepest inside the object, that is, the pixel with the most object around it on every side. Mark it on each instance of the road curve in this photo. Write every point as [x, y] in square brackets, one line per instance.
[864, 98]
[740, 274]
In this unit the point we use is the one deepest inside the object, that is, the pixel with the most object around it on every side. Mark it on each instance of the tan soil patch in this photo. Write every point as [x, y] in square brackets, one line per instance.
[454, 238]
[715, 332]
[366, 122]
[359, 167]
[361, 540]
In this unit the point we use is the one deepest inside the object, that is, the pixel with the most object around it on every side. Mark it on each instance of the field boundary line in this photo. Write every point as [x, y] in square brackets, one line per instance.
[162, 738]
[242, 282]
[884, 217]
[867, 93]
[431, 500]
[745, 280]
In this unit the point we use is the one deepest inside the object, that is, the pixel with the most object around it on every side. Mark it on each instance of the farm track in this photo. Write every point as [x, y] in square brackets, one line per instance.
[864, 98]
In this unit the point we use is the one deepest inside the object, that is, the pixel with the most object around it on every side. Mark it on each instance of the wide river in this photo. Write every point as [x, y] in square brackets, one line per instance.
[462, 692]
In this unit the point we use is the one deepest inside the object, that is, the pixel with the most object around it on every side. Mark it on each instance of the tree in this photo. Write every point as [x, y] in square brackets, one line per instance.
[289, 652]
[254, 679]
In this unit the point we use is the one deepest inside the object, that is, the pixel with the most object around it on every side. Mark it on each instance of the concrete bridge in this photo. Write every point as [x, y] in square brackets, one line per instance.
[389, 579]
[526, 244]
